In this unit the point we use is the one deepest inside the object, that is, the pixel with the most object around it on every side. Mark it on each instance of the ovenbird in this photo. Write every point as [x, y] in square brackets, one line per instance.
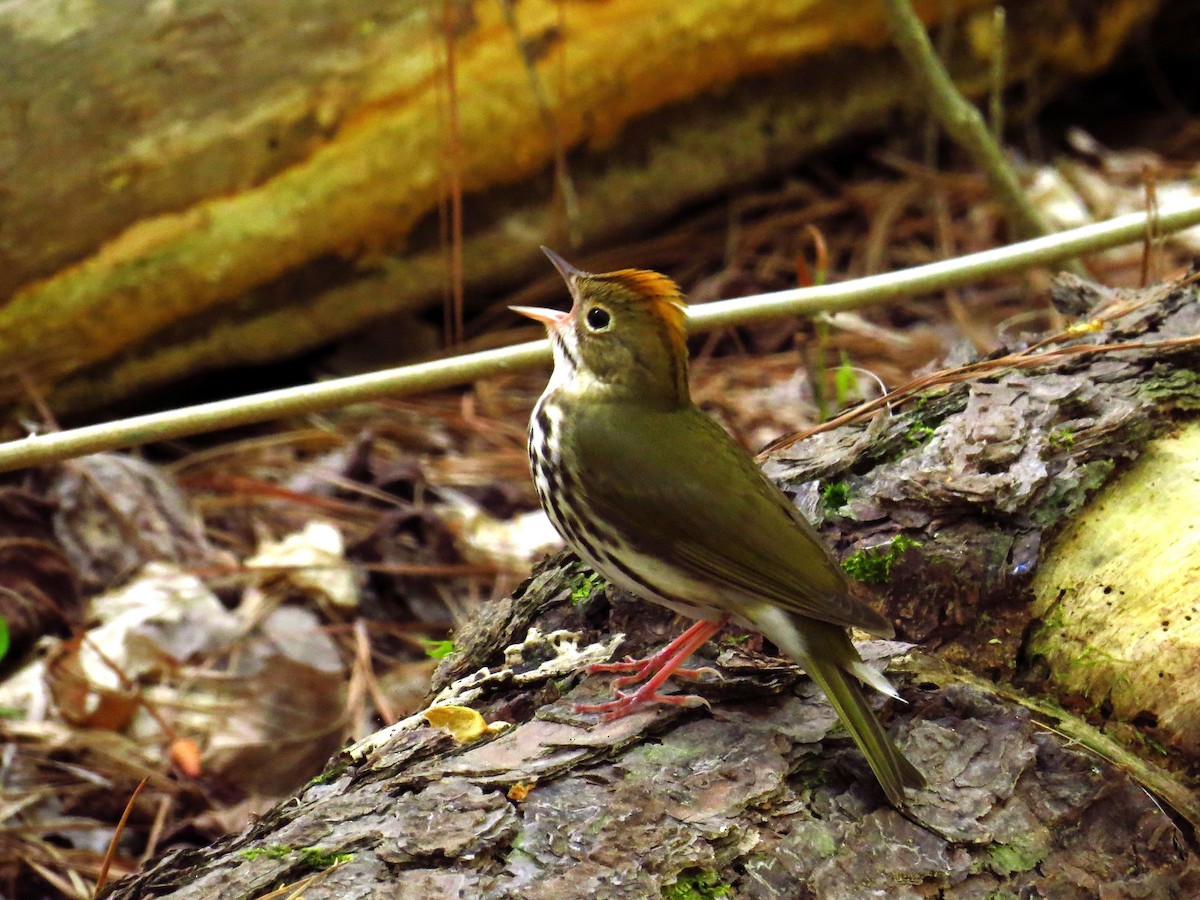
[658, 499]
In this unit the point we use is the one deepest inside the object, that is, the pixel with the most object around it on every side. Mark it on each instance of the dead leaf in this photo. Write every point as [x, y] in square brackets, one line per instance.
[520, 790]
[461, 722]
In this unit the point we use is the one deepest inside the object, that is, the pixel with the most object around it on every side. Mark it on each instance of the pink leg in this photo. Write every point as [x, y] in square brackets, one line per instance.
[667, 665]
[640, 669]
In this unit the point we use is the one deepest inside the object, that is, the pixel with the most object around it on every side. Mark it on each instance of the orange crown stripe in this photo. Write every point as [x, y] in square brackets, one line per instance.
[650, 285]
[663, 296]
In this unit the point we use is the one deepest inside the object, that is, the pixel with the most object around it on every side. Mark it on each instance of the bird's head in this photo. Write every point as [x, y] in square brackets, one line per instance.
[624, 335]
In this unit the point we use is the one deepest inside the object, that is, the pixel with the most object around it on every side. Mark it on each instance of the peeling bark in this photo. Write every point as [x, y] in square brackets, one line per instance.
[763, 793]
[982, 477]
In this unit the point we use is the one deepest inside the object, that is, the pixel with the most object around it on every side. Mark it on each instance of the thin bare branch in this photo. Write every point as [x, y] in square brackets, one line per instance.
[437, 374]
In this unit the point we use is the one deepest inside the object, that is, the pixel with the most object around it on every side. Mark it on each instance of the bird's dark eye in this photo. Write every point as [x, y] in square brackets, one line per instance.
[598, 318]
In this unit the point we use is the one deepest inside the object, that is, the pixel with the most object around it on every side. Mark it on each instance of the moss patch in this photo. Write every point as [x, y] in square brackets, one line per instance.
[705, 885]
[1018, 855]
[1178, 387]
[874, 565]
[835, 495]
[314, 857]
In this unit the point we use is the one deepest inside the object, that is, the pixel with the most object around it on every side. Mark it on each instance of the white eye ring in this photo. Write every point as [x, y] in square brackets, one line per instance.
[598, 319]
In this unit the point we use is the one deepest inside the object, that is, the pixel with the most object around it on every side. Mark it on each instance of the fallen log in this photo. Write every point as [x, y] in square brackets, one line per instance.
[987, 476]
[189, 188]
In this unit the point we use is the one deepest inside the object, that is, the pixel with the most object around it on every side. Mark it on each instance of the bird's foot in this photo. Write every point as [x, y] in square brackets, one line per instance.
[625, 703]
[669, 657]
[641, 669]
[657, 668]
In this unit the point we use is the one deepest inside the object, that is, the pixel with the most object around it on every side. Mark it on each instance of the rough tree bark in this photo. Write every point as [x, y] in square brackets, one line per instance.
[190, 186]
[762, 793]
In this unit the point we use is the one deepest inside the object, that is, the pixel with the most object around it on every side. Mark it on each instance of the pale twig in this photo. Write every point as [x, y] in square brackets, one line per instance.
[960, 118]
[443, 373]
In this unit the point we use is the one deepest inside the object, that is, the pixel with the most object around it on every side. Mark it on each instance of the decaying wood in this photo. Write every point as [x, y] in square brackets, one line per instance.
[189, 187]
[762, 793]
[981, 479]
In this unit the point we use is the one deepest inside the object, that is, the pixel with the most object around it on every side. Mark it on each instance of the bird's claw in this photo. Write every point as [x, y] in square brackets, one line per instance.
[629, 664]
[641, 669]
[624, 703]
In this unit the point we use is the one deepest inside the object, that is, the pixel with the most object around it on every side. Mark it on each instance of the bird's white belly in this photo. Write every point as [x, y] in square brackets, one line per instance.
[671, 588]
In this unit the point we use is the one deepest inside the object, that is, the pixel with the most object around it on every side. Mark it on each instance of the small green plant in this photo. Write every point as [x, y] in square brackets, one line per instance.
[845, 381]
[835, 495]
[919, 433]
[583, 583]
[4, 637]
[874, 565]
[706, 885]
[1062, 439]
[435, 649]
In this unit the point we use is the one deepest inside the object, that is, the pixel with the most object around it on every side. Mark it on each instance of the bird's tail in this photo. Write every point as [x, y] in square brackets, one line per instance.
[894, 772]
[826, 653]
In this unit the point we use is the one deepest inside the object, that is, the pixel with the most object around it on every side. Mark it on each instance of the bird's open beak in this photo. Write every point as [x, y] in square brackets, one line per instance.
[552, 318]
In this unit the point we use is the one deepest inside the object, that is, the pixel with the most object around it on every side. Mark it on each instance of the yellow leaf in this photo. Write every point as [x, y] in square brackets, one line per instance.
[461, 722]
[1088, 327]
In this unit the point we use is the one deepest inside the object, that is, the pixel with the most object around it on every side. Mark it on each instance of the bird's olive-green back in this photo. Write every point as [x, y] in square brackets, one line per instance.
[677, 487]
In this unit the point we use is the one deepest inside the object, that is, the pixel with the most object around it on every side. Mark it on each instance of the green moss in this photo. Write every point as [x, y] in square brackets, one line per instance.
[705, 885]
[330, 775]
[925, 397]
[1095, 656]
[820, 842]
[811, 774]
[435, 649]
[1019, 855]
[1179, 388]
[274, 851]
[919, 433]
[1069, 494]
[1062, 439]
[317, 858]
[835, 495]
[661, 754]
[313, 857]
[874, 565]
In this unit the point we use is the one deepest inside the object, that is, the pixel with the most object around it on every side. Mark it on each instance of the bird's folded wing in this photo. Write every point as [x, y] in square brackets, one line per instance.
[695, 500]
